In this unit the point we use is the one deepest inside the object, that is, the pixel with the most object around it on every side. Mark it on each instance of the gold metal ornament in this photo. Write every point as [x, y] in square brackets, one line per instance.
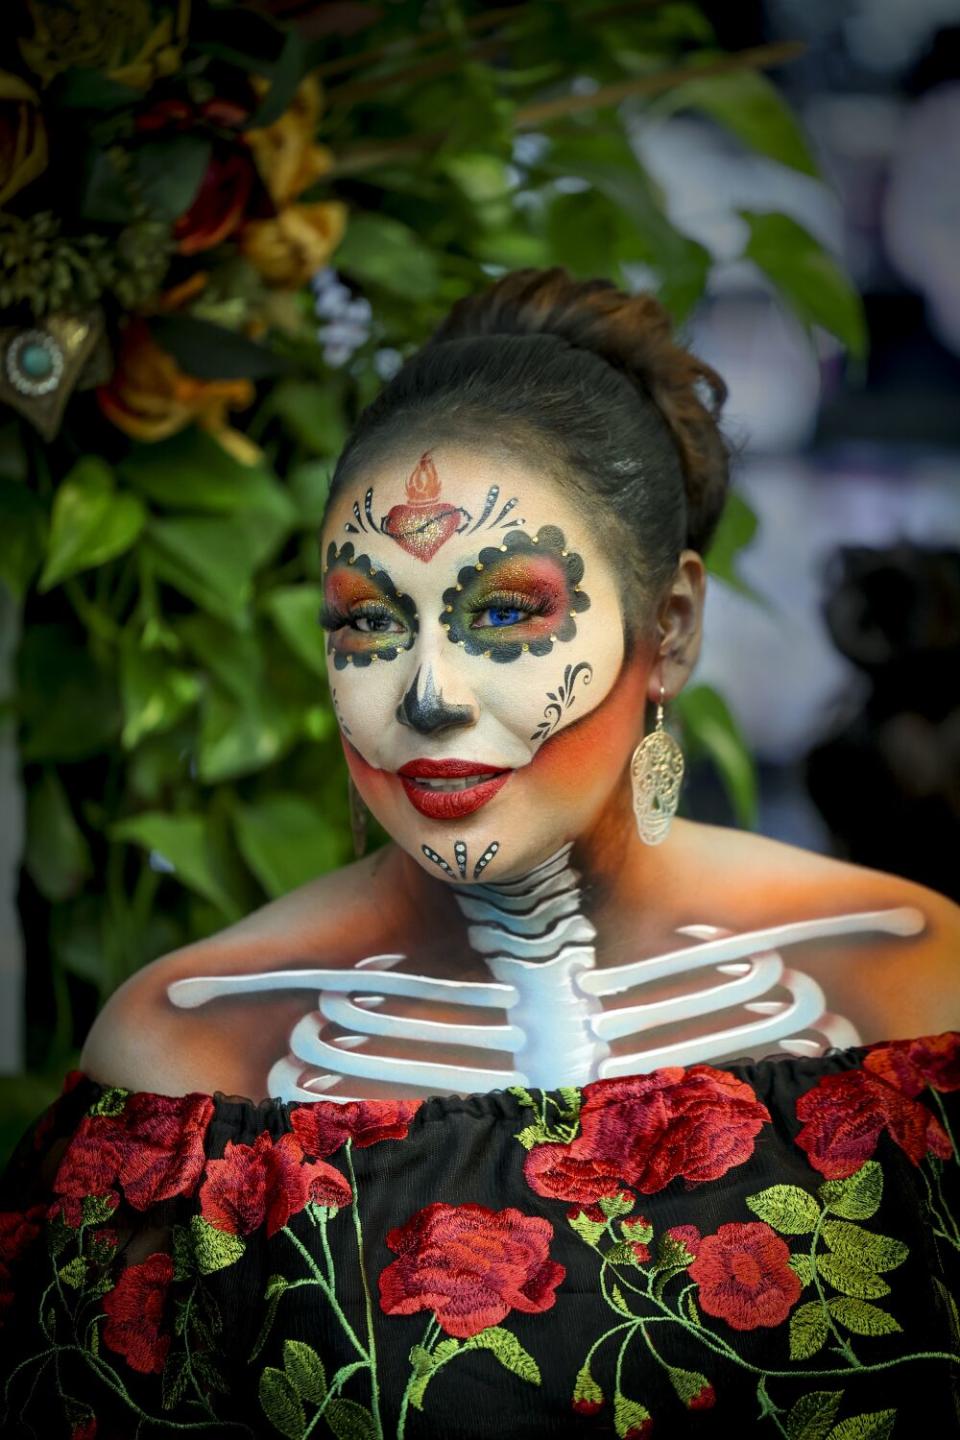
[656, 773]
[40, 367]
[359, 814]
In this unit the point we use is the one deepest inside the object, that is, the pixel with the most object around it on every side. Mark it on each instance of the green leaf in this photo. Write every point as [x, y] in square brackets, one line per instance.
[852, 1279]
[188, 843]
[276, 1285]
[629, 1416]
[213, 562]
[808, 278]
[294, 610]
[23, 523]
[286, 841]
[802, 1266]
[687, 1383]
[508, 1351]
[176, 1377]
[619, 1204]
[91, 522]
[858, 1197]
[861, 1317]
[587, 1229]
[709, 725]
[862, 1248]
[813, 1414]
[808, 1330]
[309, 485]
[350, 1421]
[191, 471]
[787, 1208]
[281, 1403]
[86, 717]
[57, 857]
[235, 660]
[381, 251]
[241, 738]
[213, 1249]
[155, 693]
[735, 531]
[672, 1254]
[305, 1369]
[168, 172]
[750, 107]
[586, 1388]
[312, 413]
[213, 352]
[878, 1425]
[74, 1273]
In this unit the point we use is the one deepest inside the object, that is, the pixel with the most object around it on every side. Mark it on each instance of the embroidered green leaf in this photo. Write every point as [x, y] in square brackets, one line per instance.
[629, 1415]
[275, 1288]
[634, 1232]
[305, 1369]
[74, 1273]
[616, 1295]
[570, 1096]
[802, 1266]
[621, 1254]
[98, 1208]
[787, 1208]
[953, 1314]
[692, 1310]
[111, 1102]
[861, 1317]
[508, 1351]
[532, 1135]
[282, 1405]
[858, 1197]
[183, 1263]
[59, 1236]
[586, 1391]
[181, 1310]
[862, 1248]
[672, 1254]
[808, 1330]
[842, 1274]
[350, 1421]
[446, 1348]
[587, 1229]
[523, 1096]
[875, 1426]
[205, 1368]
[213, 1249]
[417, 1387]
[176, 1376]
[619, 1204]
[813, 1414]
[421, 1360]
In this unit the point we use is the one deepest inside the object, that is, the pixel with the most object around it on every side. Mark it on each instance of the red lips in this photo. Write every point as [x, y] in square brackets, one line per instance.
[450, 804]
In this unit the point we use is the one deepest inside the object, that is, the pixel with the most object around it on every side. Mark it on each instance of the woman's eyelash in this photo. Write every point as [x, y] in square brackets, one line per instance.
[511, 600]
[333, 619]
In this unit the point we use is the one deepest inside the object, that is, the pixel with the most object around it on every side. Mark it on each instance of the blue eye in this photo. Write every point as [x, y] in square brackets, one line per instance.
[504, 615]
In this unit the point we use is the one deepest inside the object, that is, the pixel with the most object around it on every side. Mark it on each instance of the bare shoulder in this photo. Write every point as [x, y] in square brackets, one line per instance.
[899, 966]
[143, 1041]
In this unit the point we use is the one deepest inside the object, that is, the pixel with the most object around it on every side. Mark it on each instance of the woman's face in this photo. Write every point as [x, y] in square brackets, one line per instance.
[476, 660]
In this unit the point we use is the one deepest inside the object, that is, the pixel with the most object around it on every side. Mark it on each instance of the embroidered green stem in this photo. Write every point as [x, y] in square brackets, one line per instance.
[327, 1289]
[405, 1400]
[631, 1331]
[371, 1339]
[336, 1385]
[941, 1227]
[946, 1125]
[843, 1344]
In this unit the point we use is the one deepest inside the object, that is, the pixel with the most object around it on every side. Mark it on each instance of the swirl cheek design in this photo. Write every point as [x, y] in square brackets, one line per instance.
[539, 567]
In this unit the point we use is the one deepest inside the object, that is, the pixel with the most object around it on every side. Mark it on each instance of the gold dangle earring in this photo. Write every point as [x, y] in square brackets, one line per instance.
[656, 773]
[359, 815]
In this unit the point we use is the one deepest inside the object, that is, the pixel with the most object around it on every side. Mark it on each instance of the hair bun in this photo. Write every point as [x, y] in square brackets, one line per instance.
[633, 333]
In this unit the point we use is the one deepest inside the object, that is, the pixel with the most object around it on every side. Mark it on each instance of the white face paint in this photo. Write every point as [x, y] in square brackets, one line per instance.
[473, 618]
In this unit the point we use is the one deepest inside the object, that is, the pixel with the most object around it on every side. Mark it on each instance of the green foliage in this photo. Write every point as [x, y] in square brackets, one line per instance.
[180, 754]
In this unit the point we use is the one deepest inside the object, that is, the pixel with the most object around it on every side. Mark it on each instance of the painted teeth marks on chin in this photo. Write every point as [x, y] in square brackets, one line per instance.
[562, 698]
[460, 855]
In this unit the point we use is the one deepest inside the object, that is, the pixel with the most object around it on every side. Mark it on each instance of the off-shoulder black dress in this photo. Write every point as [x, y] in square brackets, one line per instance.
[759, 1248]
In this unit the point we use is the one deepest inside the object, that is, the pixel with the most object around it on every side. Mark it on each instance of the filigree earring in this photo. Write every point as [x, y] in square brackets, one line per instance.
[359, 815]
[656, 773]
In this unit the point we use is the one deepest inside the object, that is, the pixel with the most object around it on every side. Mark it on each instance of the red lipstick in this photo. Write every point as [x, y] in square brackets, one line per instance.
[441, 804]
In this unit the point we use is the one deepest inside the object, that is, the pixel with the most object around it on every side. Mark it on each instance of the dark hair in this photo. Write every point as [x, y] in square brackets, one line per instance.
[588, 384]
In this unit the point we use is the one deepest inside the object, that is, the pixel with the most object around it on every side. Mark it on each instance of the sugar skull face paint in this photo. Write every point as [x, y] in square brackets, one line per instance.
[460, 755]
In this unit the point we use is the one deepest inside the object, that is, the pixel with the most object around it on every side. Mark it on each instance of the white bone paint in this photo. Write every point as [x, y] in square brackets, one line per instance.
[539, 948]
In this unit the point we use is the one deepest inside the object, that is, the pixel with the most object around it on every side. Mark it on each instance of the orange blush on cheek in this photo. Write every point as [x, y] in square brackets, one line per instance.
[597, 741]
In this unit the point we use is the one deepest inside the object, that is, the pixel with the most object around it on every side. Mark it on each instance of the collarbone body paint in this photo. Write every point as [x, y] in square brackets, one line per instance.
[538, 946]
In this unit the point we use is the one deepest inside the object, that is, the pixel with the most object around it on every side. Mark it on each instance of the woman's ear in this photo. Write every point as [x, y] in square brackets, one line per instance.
[680, 620]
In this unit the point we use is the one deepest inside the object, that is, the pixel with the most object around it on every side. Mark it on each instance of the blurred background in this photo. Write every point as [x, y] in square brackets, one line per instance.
[222, 227]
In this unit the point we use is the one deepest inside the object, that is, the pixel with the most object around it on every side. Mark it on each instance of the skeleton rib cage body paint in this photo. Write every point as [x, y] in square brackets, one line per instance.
[538, 946]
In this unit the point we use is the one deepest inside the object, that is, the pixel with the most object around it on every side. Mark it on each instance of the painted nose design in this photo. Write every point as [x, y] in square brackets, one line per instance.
[423, 707]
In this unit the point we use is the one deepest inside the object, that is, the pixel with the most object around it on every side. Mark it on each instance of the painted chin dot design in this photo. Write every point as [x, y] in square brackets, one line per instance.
[533, 574]
[357, 589]
[460, 855]
[562, 698]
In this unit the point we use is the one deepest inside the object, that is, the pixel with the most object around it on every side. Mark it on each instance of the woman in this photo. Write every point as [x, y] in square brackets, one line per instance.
[651, 1114]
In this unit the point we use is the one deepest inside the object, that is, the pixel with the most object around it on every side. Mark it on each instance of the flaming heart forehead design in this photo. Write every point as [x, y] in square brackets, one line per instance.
[425, 522]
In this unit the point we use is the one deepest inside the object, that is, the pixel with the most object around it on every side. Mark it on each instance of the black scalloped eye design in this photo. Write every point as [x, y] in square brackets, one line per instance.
[455, 618]
[344, 555]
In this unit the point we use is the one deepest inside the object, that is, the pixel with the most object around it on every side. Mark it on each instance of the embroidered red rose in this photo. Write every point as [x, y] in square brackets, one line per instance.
[266, 1182]
[633, 1228]
[645, 1130]
[744, 1275]
[85, 1429]
[687, 1235]
[844, 1115]
[912, 1065]
[471, 1266]
[135, 1308]
[323, 1126]
[154, 1148]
